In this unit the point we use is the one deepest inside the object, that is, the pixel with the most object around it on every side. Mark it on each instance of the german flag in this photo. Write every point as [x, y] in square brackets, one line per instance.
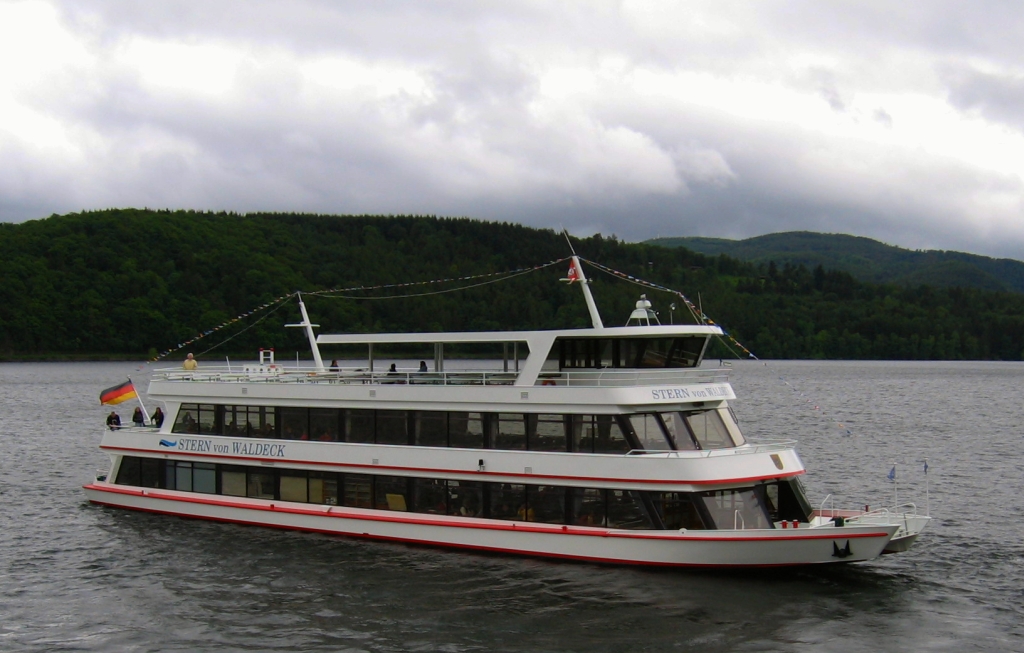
[118, 393]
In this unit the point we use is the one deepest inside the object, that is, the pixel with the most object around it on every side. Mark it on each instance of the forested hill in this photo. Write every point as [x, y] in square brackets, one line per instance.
[136, 282]
[866, 259]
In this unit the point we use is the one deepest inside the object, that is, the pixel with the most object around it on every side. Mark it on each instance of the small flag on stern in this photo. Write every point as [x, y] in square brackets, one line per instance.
[892, 473]
[118, 393]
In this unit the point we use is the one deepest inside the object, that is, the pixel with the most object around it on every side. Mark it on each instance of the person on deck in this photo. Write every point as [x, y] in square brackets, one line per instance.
[137, 418]
[113, 421]
[190, 363]
[158, 417]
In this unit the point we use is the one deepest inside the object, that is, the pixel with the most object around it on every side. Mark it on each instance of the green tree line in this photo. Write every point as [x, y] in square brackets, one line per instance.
[133, 282]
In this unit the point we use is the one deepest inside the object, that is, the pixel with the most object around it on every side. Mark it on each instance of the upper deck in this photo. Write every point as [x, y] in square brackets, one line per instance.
[662, 361]
[278, 374]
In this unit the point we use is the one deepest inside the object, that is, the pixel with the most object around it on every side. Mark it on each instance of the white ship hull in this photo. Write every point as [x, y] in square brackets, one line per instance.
[709, 548]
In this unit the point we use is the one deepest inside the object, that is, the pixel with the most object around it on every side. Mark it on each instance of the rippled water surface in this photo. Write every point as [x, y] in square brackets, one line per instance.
[77, 577]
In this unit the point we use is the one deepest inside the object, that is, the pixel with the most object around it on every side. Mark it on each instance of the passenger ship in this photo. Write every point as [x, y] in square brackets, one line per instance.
[603, 444]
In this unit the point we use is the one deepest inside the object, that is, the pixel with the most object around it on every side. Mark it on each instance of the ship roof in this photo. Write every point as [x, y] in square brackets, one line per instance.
[667, 330]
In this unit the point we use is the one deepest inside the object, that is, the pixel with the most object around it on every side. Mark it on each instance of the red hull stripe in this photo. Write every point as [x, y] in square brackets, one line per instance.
[468, 547]
[471, 472]
[448, 522]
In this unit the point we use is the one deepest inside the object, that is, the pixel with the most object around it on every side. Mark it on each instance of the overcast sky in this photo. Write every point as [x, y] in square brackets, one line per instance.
[900, 121]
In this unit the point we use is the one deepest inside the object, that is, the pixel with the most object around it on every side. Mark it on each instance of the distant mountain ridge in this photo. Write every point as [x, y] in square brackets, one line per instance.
[865, 259]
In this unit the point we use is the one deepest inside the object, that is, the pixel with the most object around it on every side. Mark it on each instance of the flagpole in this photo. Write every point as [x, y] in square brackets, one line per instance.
[895, 488]
[927, 498]
[145, 413]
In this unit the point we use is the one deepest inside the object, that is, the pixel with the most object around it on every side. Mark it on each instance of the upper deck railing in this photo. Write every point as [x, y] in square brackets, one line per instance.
[603, 378]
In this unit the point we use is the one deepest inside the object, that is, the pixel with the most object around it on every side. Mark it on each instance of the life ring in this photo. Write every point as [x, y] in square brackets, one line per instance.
[547, 382]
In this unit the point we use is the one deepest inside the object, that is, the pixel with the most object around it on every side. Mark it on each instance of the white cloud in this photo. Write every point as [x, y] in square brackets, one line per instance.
[640, 118]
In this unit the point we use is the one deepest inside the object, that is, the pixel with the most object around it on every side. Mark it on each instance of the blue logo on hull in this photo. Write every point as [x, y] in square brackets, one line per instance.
[169, 443]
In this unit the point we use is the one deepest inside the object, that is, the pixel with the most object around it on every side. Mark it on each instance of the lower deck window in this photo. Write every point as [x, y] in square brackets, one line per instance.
[736, 509]
[548, 504]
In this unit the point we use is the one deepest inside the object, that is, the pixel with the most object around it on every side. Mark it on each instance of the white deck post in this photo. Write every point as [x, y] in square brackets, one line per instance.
[319, 362]
[595, 317]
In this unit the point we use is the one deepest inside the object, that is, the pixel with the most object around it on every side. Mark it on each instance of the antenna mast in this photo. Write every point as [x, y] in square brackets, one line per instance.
[309, 334]
[576, 274]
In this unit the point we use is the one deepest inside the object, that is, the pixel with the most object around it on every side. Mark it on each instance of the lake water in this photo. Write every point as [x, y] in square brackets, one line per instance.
[77, 577]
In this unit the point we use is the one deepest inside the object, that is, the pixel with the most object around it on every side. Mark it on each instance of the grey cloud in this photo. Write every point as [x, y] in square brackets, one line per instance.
[637, 164]
[998, 97]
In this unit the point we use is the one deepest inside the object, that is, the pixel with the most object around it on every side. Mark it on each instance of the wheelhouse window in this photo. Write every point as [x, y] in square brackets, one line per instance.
[583, 353]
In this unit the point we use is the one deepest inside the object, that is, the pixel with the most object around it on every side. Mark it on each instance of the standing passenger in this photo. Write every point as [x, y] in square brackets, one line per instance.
[137, 418]
[190, 363]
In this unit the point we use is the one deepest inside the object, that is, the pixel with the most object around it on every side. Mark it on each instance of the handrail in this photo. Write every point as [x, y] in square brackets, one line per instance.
[749, 448]
[830, 500]
[257, 373]
[736, 514]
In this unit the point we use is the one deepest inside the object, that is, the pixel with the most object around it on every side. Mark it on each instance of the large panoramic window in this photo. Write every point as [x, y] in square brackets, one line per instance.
[196, 418]
[649, 433]
[599, 434]
[548, 504]
[467, 430]
[597, 353]
[709, 430]
[736, 509]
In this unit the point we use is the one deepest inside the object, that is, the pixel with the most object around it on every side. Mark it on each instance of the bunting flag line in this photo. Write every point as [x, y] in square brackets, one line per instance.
[335, 293]
[695, 311]
[118, 393]
[816, 407]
